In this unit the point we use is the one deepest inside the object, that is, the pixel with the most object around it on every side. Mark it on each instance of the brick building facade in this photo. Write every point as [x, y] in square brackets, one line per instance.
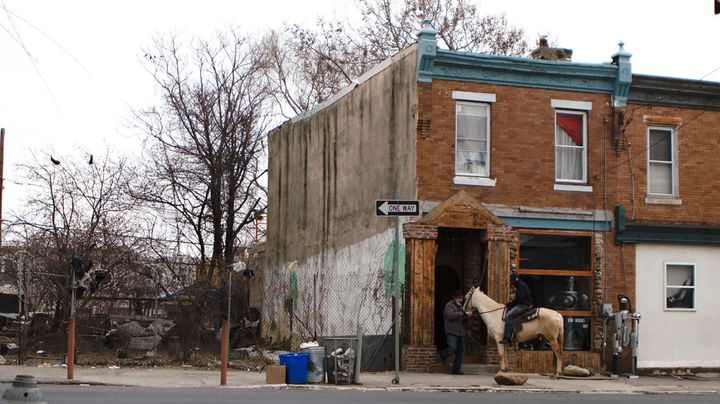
[578, 177]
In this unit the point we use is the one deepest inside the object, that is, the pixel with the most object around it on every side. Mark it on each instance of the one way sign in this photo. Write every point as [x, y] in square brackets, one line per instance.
[397, 208]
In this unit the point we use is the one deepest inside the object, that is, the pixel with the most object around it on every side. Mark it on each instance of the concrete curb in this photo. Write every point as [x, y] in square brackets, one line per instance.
[409, 388]
[464, 389]
[70, 382]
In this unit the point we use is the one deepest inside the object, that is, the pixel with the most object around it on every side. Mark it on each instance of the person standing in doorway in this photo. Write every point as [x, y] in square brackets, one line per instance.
[454, 320]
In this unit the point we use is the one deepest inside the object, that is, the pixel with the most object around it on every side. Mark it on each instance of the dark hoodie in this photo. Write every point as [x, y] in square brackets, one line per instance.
[522, 295]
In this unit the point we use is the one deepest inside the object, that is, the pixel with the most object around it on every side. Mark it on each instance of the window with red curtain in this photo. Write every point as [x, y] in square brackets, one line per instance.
[572, 124]
[570, 148]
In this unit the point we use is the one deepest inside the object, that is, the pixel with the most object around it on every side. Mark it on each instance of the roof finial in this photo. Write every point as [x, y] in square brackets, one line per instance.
[621, 44]
[427, 28]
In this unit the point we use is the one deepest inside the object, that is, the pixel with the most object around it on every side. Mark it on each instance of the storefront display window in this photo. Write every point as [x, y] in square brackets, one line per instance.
[558, 269]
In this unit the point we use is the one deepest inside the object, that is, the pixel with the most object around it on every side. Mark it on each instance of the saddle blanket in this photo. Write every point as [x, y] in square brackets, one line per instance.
[528, 315]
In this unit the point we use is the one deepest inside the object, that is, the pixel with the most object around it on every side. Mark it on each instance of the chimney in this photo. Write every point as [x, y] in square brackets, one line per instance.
[545, 52]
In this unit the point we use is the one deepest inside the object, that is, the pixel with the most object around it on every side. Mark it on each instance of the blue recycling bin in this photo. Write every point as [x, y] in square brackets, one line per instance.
[296, 365]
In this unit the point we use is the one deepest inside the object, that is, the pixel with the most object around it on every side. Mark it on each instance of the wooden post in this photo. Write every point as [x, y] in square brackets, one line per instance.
[71, 330]
[2, 163]
[421, 311]
[224, 341]
[71, 349]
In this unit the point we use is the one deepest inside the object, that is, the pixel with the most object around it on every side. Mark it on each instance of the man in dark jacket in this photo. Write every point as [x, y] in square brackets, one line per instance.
[455, 319]
[523, 301]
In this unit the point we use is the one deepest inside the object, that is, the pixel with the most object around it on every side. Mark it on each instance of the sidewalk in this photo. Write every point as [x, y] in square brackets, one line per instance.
[191, 377]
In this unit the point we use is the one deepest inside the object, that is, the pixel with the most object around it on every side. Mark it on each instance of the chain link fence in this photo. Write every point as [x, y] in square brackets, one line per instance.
[120, 322]
[341, 297]
[11, 311]
[134, 320]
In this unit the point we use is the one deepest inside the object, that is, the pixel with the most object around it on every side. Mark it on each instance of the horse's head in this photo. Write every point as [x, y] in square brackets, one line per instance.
[468, 295]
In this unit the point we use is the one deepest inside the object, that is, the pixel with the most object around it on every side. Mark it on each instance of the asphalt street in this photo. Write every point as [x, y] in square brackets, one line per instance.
[59, 394]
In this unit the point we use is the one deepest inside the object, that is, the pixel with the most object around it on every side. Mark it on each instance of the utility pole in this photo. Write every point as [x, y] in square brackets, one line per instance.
[2, 182]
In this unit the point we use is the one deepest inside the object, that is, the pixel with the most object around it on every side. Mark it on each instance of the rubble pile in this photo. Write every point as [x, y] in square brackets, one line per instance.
[137, 334]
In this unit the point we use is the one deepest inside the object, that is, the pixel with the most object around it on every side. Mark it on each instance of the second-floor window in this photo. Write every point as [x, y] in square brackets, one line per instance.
[570, 146]
[472, 140]
[661, 162]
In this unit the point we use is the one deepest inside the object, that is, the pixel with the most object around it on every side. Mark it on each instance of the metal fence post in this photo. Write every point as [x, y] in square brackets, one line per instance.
[358, 357]
[156, 323]
[315, 307]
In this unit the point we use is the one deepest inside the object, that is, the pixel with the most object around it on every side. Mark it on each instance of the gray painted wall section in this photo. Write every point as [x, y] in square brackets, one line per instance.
[327, 170]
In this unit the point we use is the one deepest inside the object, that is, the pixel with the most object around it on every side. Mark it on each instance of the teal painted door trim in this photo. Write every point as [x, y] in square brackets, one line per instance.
[556, 224]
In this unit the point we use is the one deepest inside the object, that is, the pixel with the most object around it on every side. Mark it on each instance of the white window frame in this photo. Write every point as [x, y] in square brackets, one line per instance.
[693, 287]
[583, 113]
[673, 162]
[485, 105]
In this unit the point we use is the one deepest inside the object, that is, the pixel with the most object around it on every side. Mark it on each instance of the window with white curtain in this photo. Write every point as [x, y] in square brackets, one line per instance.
[679, 286]
[472, 139]
[661, 162]
[570, 146]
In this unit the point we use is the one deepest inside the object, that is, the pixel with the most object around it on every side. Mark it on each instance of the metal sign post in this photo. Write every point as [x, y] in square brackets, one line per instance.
[396, 208]
[397, 294]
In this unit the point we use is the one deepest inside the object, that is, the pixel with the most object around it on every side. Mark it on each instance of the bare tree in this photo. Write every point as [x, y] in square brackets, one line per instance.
[309, 64]
[76, 208]
[205, 143]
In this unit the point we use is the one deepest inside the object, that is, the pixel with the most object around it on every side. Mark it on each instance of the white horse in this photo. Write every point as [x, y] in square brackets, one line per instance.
[549, 324]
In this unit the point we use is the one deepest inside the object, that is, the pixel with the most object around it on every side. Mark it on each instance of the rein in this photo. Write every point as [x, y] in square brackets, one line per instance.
[490, 311]
[479, 312]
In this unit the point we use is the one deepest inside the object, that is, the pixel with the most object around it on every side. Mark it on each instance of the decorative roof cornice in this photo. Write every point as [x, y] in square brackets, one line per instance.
[674, 92]
[435, 63]
[450, 65]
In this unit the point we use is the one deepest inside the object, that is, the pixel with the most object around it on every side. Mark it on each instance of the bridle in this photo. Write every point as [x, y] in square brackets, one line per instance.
[472, 291]
[479, 312]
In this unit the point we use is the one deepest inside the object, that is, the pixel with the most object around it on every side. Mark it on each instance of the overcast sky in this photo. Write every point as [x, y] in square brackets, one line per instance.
[70, 71]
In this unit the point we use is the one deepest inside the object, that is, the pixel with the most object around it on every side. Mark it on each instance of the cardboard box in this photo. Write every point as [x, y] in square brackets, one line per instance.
[275, 374]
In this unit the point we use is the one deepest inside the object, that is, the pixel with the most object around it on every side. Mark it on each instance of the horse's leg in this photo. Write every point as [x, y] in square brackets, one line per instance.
[558, 359]
[503, 357]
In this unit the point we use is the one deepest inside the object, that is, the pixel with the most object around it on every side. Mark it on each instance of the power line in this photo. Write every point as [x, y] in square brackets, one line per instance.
[18, 39]
[713, 71]
[51, 39]
[650, 146]
[675, 129]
